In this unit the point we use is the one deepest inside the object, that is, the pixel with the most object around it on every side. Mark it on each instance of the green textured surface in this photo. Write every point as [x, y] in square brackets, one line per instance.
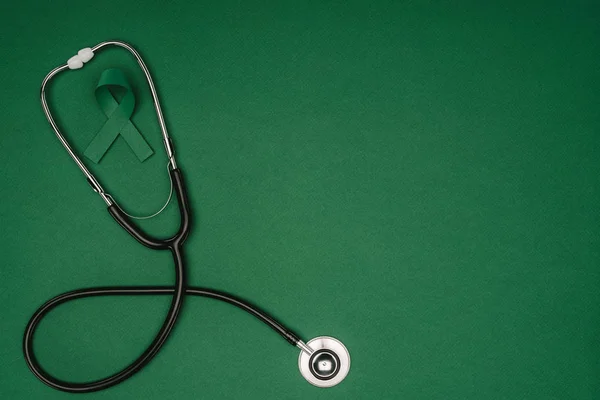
[417, 179]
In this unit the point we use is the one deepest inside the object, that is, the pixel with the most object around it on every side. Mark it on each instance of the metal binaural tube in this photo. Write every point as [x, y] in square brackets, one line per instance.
[92, 180]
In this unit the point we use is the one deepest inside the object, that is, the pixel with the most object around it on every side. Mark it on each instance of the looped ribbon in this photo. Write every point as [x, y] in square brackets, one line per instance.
[118, 114]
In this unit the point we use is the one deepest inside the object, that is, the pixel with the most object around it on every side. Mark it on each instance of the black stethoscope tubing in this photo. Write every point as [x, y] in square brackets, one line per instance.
[177, 292]
[174, 244]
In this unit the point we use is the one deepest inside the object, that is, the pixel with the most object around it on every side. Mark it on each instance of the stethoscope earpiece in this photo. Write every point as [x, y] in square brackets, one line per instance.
[324, 361]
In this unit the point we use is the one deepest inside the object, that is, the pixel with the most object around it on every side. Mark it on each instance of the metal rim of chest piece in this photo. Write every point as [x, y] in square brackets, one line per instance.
[327, 365]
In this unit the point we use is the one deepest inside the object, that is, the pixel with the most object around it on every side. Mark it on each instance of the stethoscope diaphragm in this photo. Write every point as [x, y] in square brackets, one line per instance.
[327, 365]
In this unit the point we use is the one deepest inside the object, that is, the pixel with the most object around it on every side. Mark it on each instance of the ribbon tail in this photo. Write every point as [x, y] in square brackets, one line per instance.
[102, 141]
[136, 141]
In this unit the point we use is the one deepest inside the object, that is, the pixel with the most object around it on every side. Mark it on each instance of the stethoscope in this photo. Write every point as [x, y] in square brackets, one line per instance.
[323, 361]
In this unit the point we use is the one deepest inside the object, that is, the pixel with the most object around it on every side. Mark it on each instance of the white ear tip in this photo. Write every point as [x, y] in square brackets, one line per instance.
[75, 62]
[85, 54]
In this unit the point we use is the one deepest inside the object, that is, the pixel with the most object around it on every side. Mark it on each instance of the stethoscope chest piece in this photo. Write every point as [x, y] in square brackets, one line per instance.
[328, 364]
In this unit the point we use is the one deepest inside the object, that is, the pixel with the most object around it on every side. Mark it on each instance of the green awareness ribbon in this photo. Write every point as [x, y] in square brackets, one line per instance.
[118, 115]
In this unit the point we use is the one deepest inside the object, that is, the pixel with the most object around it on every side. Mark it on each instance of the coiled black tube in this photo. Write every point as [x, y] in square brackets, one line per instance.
[178, 293]
[161, 337]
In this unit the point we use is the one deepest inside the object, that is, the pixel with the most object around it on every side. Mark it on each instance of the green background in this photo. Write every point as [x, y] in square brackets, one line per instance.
[417, 179]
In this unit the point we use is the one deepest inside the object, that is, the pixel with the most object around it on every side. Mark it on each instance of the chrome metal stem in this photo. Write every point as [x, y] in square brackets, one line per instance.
[304, 347]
